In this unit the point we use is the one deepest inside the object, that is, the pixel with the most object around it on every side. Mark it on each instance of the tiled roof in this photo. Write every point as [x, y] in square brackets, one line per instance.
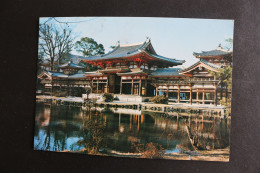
[210, 64]
[70, 64]
[78, 75]
[179, 62]
[166, 72]
[57, 74]
[216, 52]
[121, 51]
[201, 61]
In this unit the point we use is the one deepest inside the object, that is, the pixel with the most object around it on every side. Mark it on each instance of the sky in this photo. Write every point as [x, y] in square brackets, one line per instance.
[174, 38]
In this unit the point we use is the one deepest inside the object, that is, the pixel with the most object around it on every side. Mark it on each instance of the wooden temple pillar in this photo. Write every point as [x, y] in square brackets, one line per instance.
[197, 96]
[43, 89]
[121, 84]
[203, 97]
[132, 88]
[215, 95]
[167, 92]
[178, 98]
[215, 92]
[60, 90]
[145, 87]
[91, 88]
[140, 84]
[107, 91]
[72, 93]
[190, 94]
[51, 87]
[156, 90]
[97, 84]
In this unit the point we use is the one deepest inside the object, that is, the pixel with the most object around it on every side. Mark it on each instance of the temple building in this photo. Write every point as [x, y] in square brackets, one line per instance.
[218, 56]
[137, 70]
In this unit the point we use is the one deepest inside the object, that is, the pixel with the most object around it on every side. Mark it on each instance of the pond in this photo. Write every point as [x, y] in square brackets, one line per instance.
[126, 132]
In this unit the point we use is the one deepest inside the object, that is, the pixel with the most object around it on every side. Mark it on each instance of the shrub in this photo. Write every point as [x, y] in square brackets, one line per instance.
[150, 150]
[116, 98]
[159, 99]
[146, 100]
[108, 97]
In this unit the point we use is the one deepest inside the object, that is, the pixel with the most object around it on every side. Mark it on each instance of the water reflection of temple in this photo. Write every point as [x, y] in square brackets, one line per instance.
[123, 127]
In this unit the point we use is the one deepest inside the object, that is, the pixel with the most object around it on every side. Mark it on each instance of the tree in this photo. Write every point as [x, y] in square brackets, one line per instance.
[55, 42]
[225, 81]
[40, 61]
[89, 47]
[230, 43]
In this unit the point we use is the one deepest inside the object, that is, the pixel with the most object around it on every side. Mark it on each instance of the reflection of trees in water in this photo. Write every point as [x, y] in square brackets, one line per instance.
[93, 132]
[121, 131]
[194, 132]
[207, 134]
[150, 150]
[58, 129]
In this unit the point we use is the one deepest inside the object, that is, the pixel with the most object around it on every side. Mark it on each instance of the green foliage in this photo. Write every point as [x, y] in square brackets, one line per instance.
[230, 42]
[89, 47]
[225, 80]
[227, 103]
[146, 100]
[225, 76]
[159, 99]
[94, 135]
[108, 97]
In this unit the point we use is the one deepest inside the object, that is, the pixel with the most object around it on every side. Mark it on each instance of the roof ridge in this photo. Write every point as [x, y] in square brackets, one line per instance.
[133, 44]
[110, 51]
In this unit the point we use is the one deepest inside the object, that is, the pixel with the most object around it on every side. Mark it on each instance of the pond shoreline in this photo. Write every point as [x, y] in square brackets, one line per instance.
[210, 110]
[221, 155]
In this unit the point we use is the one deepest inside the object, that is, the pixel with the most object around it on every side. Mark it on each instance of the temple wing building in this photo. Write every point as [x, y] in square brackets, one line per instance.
[218, 56]
[137, 70]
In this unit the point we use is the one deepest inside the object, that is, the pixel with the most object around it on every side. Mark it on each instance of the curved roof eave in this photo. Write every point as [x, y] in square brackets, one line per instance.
[210, 65]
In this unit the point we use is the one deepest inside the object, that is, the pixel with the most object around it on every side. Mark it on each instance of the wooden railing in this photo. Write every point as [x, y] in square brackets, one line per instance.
[187, 81]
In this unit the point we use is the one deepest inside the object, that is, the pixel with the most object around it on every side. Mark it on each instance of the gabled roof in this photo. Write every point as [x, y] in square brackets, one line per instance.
[203, 63]
[166, 72]
[70, 64]
[216, 52]
[122, 51]
[50, 74]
